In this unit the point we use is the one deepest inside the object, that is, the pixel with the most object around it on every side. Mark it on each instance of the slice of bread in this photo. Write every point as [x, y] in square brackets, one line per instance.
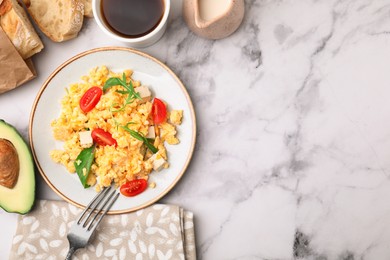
[15, 23]
[87, 8]
[60, 20]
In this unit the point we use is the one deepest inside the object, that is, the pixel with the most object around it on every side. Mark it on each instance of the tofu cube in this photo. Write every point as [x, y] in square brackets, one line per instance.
[151, 132]
[158, 162]
[144, 92]
[86, 138]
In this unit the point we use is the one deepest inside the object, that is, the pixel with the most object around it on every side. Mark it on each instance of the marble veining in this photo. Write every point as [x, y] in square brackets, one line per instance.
[293, 146]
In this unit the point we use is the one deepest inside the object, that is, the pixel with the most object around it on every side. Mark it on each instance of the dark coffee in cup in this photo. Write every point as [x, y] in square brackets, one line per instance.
[132, 18]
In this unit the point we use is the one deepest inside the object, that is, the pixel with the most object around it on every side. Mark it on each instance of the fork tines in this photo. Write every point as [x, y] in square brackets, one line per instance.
[100, 203]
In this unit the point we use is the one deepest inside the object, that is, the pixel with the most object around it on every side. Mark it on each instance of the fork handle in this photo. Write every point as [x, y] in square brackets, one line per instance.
[72, 249]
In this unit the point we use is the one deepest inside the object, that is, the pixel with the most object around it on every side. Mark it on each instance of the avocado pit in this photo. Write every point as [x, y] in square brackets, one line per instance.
[9, 164]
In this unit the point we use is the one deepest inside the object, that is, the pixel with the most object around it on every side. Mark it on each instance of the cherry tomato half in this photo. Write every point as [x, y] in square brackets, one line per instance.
[134, 187]
[102, 137]
[159, 111]
[90, 98]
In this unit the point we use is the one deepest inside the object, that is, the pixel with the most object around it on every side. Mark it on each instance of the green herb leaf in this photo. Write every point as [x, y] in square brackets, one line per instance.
[121, 92]
[150, 146]
[131, 87]
[129, 90]
[136, 135]
[84, 161]
[142, 138]
[151, 140]
[111, 82]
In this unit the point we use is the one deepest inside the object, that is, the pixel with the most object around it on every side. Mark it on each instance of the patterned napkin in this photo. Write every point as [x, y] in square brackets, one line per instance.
[156, 232]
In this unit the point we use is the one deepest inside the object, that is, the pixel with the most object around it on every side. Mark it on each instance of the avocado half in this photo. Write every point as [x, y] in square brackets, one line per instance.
[20, 198]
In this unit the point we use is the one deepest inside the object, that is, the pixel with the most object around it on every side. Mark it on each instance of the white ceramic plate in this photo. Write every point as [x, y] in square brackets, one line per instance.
[163, 83]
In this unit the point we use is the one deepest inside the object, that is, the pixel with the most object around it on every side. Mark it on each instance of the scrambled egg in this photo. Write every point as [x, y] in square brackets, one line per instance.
[130, 159]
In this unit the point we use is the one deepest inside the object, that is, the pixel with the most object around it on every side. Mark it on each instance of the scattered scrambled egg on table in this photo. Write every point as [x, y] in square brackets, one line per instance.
[129, 159]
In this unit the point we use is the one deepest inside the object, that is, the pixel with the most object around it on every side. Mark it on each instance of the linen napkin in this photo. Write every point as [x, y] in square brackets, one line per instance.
[157, 232]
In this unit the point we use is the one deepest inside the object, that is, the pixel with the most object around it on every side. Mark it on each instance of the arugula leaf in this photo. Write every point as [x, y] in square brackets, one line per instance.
[129, 90]
[84, 161]
[121, 92]
[111, 82]
[140, 137]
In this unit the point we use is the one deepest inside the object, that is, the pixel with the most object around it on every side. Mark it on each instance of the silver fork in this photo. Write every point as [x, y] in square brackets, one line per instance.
[83, 228]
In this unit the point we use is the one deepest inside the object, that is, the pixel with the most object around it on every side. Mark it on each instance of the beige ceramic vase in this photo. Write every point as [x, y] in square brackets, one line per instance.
[213, 19]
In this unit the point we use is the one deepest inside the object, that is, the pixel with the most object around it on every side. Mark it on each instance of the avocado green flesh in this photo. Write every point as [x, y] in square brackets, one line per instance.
[20, 198]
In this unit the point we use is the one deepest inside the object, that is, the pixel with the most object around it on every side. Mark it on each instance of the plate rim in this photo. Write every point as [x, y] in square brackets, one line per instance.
[102, 49]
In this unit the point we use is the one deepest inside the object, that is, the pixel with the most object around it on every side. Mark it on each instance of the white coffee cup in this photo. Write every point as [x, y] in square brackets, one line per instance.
[137, 42]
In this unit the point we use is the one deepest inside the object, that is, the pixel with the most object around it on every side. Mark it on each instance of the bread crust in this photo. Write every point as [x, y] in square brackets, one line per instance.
[87, 8]
[19, 29]
[60, 20]
[5, 6]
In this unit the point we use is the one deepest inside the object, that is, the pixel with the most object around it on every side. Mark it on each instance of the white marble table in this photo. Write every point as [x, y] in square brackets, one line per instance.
[293, 111]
